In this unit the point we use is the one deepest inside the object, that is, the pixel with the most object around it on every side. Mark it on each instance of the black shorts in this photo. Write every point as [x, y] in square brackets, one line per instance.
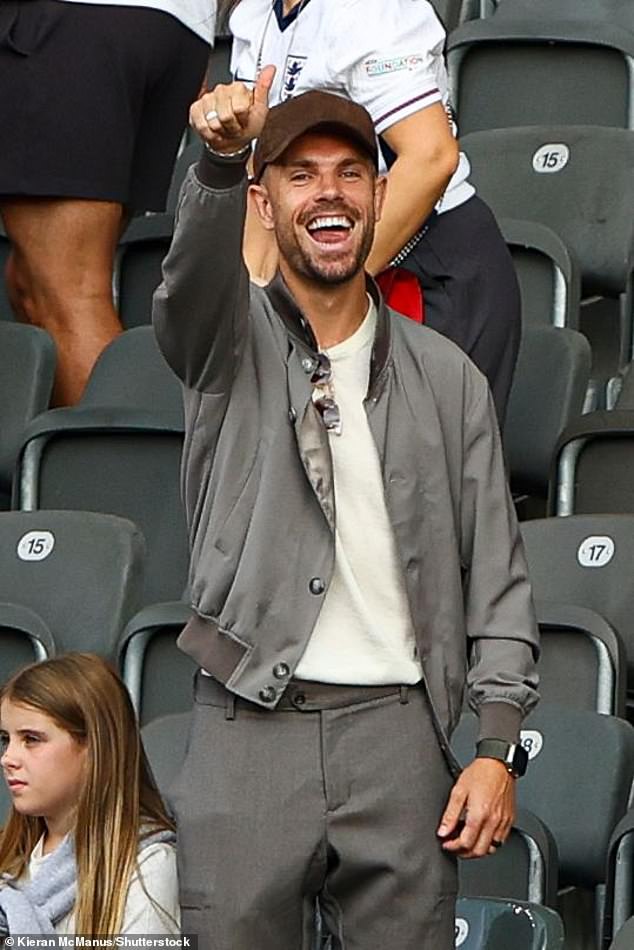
[94, 100]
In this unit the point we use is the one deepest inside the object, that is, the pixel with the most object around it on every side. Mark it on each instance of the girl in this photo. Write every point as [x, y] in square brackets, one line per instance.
[88, 847]
[388, 56]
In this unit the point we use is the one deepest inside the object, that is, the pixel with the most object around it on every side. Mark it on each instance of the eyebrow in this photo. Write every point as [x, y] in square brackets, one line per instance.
[23, 732]
[312, 162]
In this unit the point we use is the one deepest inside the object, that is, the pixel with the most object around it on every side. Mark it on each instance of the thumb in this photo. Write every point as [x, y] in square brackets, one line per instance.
[452, 812]
[263, 86]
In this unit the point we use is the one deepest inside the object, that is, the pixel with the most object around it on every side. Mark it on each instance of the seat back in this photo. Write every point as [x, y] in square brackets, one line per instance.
[82, 573]
[6, 313]
[165, 743]
[27, 368]
[548, 390]
[490, 924]
[158, 675]
[571, 749]
[624, 939]
[140, 254]
[586, 560]
[507, 71]
[582, 661]
[576, 180]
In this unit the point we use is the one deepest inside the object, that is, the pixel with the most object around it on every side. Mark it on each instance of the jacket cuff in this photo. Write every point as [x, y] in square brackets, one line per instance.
[500, 721]
[221, 172]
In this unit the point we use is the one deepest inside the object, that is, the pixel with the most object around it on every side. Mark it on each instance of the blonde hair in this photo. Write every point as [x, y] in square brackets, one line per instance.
[119, 802]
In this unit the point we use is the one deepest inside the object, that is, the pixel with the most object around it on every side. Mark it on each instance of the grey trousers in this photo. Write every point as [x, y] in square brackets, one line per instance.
[315, 799]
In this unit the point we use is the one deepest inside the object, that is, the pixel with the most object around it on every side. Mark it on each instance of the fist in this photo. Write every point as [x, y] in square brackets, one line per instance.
[231, 116]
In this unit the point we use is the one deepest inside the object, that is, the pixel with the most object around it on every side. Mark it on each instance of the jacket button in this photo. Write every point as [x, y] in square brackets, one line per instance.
[267, 695]
[308, 365]
[316, 586]
[292, 415]
[298, 699]
[281, 671]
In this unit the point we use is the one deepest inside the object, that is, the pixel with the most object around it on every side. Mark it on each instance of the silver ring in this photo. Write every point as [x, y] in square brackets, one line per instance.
[210, 116]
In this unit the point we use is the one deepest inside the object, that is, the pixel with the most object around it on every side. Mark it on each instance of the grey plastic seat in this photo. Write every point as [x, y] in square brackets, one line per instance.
[27, 369]
[189, 156]
[489, 924]
[549, 278]
[24, 638]
[510, 70]
[619, 891]
[80, 572]
[118, 452]
[582, 664]
[526, 868]
[548, 391]
[593, 465]
[578, 181]
[571, 749]
[140, 254]
[6, 313]
[586, 560]
[158, 675]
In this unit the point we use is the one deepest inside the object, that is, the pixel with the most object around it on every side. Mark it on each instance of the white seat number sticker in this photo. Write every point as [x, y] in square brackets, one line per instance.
[35, 545]
[551, 158]
[462, 931]
[532, 741]
[596, 551]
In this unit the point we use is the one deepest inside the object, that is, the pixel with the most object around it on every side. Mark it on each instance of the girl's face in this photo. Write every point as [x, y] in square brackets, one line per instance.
[43, 764]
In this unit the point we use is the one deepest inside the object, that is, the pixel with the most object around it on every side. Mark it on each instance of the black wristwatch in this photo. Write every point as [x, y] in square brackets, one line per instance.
[512, 754]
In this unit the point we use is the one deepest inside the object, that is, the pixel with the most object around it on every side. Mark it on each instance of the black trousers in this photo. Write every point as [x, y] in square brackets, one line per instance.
[471, 291]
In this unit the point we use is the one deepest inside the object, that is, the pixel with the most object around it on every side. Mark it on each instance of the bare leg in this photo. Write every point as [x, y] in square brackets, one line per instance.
[59, 277]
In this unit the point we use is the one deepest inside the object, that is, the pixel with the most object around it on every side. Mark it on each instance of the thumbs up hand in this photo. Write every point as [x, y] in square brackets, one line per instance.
[230, 116]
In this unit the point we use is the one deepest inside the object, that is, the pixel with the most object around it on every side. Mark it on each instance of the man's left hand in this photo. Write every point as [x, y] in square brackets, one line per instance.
[480, 810]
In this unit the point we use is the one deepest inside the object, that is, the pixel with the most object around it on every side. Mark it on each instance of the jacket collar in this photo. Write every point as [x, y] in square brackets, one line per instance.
[300, 330]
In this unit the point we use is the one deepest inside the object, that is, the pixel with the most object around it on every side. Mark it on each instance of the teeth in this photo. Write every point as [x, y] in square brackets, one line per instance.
[332, 221]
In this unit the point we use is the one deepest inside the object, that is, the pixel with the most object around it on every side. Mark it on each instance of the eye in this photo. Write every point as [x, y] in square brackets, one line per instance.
[4, 742]
[352, 173]
[30, 739]
[299, 178]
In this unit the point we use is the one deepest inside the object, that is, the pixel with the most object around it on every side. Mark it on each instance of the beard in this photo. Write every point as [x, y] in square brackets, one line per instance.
[303, 257]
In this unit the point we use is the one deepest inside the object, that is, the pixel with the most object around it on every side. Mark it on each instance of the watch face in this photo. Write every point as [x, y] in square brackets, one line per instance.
[520, 759]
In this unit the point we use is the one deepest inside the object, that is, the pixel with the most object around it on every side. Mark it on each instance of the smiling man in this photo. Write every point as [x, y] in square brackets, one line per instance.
[354, 552]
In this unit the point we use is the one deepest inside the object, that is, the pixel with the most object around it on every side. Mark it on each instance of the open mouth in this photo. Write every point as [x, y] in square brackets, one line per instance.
[330, 229]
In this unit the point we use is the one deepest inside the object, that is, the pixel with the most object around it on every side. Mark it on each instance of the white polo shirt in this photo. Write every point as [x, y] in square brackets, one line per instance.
[198, 15]
[385, 54]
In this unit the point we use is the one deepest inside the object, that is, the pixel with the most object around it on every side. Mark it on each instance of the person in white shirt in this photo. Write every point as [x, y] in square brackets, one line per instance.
[93, 105]
[88, 847]
[388, 56]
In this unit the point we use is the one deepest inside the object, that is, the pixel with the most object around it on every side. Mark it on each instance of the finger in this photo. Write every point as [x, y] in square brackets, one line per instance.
[226, 116]
[242, 100]
[452, 813]
[263, 86]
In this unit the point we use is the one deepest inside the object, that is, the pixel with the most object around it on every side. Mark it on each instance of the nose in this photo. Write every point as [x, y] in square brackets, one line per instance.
[330, 183]
[8, 757]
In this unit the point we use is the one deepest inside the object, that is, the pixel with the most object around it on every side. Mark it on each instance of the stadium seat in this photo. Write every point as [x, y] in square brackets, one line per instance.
[80, 572]
[165, 743]
[118, 452]
[549, 278]
[620, 13]
[526, 868]
[619, 892]
[158, 675]
[582, 662]
[489, 924]
[578, 181]
[580, 770]
[24, 637]
[593, 465]
[27, 368]
[6, 313]
[140, 254]
[586, 560]
[536, 70]
[548, 391]
[189, 156]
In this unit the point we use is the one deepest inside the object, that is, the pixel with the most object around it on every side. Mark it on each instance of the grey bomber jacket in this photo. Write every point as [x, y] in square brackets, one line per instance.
[258, 489]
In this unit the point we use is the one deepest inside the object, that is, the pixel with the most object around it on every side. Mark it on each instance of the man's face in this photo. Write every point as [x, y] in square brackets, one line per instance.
[322, 200]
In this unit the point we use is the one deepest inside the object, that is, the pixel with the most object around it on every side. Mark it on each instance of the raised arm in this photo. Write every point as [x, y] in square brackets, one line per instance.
[201, 308]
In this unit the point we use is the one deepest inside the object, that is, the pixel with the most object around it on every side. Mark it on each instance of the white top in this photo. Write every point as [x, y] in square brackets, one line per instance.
[363, 634]
[157, 868]
[385, 54]
[198, 15]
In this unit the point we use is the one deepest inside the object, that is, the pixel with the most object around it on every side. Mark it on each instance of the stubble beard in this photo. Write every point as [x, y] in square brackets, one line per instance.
[330, 273]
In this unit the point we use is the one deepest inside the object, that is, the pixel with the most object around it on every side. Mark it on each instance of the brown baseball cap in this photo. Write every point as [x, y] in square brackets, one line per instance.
[311, 111]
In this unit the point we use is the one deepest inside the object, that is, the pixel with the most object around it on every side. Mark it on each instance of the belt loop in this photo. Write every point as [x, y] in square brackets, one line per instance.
[230, 706]
[404, 698]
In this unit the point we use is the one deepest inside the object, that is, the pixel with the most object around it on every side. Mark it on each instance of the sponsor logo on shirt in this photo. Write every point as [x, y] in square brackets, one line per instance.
[381, 67]
[292, 72]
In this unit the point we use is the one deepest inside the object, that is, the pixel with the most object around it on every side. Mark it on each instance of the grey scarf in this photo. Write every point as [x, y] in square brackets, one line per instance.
[36, 906]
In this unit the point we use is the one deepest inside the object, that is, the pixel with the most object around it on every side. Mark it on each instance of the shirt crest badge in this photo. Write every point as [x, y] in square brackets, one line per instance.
[292, 72]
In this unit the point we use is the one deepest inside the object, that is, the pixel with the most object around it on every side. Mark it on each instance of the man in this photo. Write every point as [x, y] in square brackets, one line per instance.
[353, 541]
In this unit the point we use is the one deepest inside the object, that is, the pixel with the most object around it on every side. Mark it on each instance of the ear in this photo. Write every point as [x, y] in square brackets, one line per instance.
[380, 189]
[261, 200]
